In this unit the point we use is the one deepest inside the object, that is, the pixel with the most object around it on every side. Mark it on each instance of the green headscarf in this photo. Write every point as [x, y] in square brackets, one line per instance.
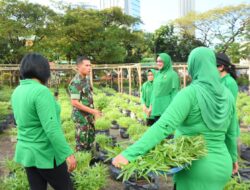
[213, 98]
[146, 90]
[166, 85]
[166, 61]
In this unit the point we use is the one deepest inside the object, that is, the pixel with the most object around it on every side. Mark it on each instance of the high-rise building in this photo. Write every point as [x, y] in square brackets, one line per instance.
[130, 7]
[134, 8]
[185, 7]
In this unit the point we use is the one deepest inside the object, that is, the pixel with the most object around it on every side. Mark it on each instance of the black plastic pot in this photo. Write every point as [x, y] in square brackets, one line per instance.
[114, 125]
[114, 173]
[104, 132]
[142, 184]
[113, 122]
[245, 174]
[113, 140]
[126, 113]
[3, 125]
[245, 152]
[123, 133]
[102, 156]
[10, 119]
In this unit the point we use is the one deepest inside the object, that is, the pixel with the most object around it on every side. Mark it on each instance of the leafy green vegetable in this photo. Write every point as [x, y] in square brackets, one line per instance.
[245, 138]
[171, 153]
[103, 140]
[102, 124]
[91, 178]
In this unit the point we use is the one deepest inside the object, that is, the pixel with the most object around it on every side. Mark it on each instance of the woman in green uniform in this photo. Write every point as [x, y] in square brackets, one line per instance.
[227, 72]
[207, 108]
[166, 85]
[41, 146]
[146, 92]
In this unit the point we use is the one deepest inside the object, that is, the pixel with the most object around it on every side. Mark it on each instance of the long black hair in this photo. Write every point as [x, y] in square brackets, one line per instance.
[223, 59]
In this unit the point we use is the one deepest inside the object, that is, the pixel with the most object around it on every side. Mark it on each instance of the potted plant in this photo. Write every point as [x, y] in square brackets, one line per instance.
[102, 126]
[91, 178]
[124, 123]
[140, 117]
[101, 101]
[136, 131]
[103, 141]
[16, 179]
[113, 116]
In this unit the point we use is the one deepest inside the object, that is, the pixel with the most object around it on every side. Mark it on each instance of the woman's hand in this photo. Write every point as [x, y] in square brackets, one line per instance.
[235, 168]
[71, 162]
[119, 160]
[149, 111]
[144, 108]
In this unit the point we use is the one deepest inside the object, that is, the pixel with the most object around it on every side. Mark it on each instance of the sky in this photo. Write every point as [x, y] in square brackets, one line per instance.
[155, 13]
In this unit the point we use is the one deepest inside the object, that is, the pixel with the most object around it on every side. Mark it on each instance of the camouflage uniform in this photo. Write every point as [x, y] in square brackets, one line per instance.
[80, 89]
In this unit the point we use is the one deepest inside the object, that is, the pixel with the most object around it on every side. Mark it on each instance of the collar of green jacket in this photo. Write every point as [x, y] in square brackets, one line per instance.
[29, 81]
[166, 61]
[213, 99]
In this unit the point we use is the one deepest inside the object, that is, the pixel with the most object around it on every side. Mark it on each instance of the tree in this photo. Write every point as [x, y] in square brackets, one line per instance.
[220, 26]
[103, 35]
[20, 20]
[178, 45]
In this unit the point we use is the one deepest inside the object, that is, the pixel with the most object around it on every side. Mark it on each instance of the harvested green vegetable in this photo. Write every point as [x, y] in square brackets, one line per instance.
[169, 154]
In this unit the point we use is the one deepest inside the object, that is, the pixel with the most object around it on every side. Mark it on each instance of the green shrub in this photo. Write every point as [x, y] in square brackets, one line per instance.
[234, 184]
[101, 101]
[102, 124]
[109, 90]
[245, 138]
[91, 178]
[83, 160]
[5, 109]
[5, 93]
[17, 180]
[70, 137]
[125, 122]
[103, 140]
[113, 115]
[136, 131]
[68, 126]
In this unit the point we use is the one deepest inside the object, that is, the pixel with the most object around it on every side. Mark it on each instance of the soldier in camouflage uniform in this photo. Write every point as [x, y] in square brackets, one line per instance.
[83, 113]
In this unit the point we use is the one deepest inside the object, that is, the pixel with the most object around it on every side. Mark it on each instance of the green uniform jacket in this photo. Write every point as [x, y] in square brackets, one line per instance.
[146, 92]
[184, 116]
[165, 87]
[40, 138]
[231, 84]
